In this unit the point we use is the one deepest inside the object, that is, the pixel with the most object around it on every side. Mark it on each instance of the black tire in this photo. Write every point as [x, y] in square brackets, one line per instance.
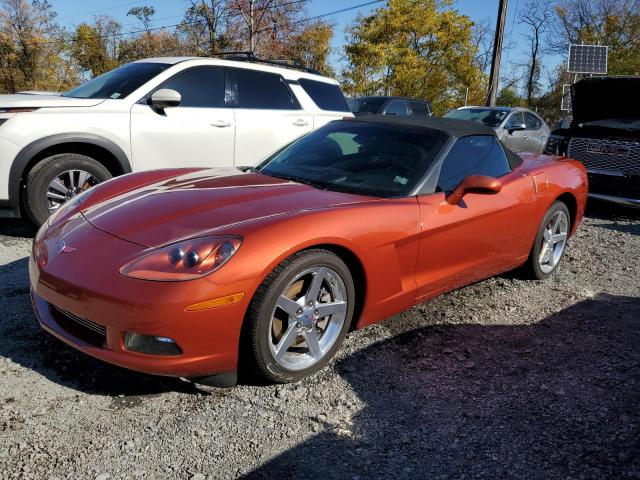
[532, 269]
[256, 359]
[39, 177]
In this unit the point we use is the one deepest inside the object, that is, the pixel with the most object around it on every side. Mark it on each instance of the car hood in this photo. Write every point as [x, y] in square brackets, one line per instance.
[205, 201]
[28, 100]
[605, 98]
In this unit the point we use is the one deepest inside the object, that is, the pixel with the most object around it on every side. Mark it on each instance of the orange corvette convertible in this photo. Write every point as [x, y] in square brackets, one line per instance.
[201, 273]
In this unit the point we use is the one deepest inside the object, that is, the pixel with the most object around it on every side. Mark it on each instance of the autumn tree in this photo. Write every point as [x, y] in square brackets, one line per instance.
[268, 27]
[418, 48]
[203, 30]
[144, 14]
[95, 47]
[33, 48]
[311, 47]
[147, 43]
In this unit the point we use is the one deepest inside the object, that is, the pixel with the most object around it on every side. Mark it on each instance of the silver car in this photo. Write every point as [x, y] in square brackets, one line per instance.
[519, 129]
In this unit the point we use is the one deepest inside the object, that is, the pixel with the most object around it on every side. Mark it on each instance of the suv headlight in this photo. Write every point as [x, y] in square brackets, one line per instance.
[556, 145]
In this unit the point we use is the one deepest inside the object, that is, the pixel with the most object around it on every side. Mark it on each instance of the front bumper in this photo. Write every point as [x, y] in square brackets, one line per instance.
[85, 285]
[619, 189]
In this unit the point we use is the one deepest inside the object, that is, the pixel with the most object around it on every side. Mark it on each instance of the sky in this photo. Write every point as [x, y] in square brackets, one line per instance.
[73, 12]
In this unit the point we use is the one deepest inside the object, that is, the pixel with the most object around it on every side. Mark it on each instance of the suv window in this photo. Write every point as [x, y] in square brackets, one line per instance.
[516, 118]
[201, 87]
[396, 107]
[419, 108]
[260, 90]
[473, 155]
[531, 121]
[326, 96]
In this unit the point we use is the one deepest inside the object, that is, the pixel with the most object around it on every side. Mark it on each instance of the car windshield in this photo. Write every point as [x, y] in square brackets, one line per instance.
[375, 159]
[617, 123]
[365, 106]
[118, 83]
[488, 116]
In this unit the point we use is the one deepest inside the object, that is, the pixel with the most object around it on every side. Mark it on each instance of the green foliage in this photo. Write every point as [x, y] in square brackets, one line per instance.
[417, 48]
[509, 97]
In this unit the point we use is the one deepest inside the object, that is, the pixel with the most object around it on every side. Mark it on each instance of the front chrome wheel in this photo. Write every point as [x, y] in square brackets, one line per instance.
[554, 240]
[308, 318]
[67, 185]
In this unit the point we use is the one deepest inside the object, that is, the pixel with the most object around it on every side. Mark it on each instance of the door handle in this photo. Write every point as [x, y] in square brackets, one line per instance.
[526, 137]
[300, 122]
[221, 124]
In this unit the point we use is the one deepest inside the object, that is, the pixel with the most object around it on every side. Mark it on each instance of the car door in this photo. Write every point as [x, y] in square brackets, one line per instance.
[516, 140]
[396, 107]
[535, 131]
[267, 113]
[198, 132]
[481, 235]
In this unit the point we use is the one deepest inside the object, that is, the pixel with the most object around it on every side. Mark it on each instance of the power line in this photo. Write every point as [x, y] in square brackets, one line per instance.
[98, 12]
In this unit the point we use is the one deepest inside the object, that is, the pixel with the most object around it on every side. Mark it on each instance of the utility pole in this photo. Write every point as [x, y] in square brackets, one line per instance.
[494, 77]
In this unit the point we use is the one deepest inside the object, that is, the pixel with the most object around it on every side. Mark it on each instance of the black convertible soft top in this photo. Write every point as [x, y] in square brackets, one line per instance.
[451, 126]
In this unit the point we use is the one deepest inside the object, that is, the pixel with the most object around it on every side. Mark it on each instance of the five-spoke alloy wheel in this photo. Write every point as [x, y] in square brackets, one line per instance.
[550, 242]
[299, 316]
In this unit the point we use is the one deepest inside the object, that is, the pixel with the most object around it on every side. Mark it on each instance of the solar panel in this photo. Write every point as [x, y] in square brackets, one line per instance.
[566, 98]
[587, 59]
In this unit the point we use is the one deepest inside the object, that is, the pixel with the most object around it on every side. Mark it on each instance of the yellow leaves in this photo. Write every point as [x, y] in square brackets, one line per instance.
[419, 48]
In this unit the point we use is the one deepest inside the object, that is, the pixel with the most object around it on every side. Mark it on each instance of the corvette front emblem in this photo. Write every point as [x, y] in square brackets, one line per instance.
[62, 248]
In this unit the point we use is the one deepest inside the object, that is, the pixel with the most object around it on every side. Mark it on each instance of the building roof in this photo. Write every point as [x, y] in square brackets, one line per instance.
[451, 126]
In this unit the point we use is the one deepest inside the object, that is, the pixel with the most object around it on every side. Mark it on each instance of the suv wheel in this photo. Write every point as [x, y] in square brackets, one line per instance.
[58, 178]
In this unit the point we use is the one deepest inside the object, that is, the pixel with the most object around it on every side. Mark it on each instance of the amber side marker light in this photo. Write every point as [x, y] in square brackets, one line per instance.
[216, 302]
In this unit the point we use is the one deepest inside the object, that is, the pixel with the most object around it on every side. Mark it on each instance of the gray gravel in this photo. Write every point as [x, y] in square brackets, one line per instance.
[502, 379]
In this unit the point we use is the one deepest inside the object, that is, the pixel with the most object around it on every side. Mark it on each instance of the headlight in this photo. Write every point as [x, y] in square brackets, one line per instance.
[556, 145]
[186, 260]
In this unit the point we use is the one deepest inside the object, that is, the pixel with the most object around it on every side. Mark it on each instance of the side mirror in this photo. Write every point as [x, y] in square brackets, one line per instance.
[164, 98]
[515, 127]
[474, 184]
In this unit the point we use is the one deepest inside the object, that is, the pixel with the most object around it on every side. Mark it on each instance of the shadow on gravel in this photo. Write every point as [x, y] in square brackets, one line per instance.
[25, 343]
[17, 227]
[558, 399]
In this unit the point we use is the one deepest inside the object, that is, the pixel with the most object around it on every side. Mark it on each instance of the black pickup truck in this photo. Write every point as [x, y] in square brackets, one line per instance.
[605, 135]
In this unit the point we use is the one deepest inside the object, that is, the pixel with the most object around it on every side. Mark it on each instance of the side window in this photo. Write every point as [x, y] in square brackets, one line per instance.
[474, 155]
[326, 96]
[531, 121]
[396, 107]
[419, 108]
[515, 119]
[199, 87]
[260, 90]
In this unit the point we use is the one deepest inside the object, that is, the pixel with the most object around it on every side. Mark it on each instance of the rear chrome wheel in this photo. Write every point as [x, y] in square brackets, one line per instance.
[298, 317]
[308, 318]
[550, 243]
[554, 240]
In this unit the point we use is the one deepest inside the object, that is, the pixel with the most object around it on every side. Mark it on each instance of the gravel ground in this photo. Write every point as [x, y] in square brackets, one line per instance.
[502, 379]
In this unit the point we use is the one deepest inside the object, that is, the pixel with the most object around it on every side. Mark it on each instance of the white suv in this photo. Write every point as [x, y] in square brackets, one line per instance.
[155, 113]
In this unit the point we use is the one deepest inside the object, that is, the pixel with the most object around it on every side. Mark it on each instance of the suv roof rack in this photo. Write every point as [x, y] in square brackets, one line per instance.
[247, 56]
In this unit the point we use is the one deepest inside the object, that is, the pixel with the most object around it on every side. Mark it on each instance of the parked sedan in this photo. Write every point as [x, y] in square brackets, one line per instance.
[519, 129]
[386, 105]
[200, 273]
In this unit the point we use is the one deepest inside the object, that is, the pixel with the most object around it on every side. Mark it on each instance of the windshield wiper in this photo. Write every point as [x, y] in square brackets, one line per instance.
[247, 168]
[292, 178]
